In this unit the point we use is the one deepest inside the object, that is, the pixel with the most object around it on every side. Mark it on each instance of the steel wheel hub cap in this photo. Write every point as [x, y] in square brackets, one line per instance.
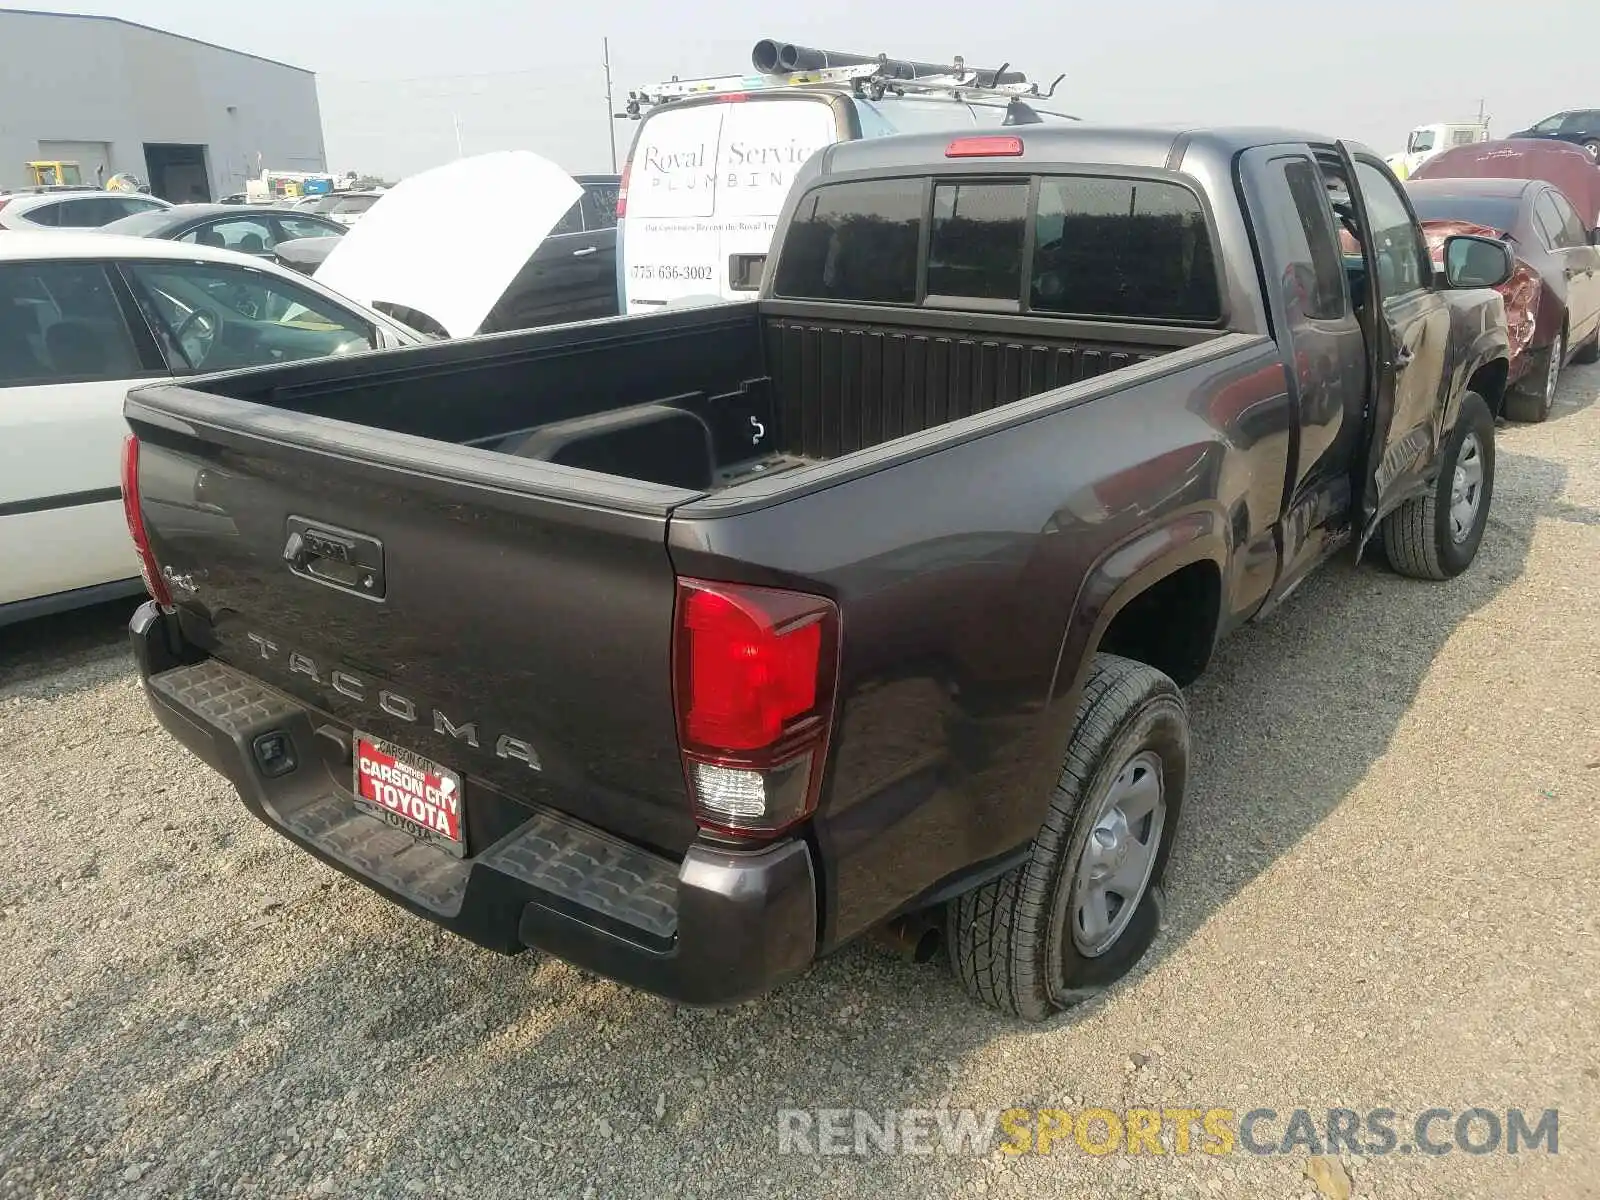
[1118, 856]
[1466, 488]
[1553, 372]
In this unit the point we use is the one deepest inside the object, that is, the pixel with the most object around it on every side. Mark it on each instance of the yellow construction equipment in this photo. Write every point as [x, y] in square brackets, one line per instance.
[54, 174]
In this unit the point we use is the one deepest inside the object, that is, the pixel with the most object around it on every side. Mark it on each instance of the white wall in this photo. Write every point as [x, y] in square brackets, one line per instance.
[91, 79]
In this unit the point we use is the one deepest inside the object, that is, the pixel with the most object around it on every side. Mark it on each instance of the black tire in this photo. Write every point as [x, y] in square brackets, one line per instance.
[1417, 536]
[1589, 352]
[1530, 399]
[1010, 940]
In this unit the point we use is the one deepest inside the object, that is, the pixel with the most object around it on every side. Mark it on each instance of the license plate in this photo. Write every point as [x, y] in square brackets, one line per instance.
[410, 792]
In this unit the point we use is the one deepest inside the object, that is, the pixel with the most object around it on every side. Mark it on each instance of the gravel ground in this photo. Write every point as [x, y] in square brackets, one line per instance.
[1384, 895]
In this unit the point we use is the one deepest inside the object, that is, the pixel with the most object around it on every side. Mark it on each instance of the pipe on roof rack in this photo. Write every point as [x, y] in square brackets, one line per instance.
[771, 57]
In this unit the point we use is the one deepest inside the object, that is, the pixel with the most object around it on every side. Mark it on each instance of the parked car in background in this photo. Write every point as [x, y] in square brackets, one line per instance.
[227, 226]
[85, 316]
[572, 276]
[73, 208]
[1580, 126]
[1553, 301]
[442, 278]
[305, 254]
[1567, 167]
[344, 207]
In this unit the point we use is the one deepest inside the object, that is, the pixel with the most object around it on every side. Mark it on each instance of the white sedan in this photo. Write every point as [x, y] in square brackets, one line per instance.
[83, 318]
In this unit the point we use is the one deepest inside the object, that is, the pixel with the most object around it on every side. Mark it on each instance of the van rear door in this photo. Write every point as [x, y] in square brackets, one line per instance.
[707, 182]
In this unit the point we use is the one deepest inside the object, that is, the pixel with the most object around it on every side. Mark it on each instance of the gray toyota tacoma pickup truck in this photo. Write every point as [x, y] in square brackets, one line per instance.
[691, 646]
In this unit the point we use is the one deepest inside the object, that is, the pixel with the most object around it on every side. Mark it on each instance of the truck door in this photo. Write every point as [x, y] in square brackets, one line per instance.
[1322, 345]
[1408, 328]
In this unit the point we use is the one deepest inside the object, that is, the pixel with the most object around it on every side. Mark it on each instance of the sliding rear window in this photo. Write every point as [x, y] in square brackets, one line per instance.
[1101, 247]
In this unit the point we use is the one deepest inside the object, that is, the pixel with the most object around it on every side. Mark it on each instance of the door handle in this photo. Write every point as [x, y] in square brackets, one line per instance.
[585, 252]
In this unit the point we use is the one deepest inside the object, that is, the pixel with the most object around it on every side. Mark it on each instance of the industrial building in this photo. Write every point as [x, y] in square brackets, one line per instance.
[190, 119]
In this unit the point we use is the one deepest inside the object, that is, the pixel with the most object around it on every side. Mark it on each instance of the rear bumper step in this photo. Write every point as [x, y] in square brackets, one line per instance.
[718, 927]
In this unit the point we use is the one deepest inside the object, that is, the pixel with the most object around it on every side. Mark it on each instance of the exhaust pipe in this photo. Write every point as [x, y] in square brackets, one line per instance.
[771, 57]
[915, 937]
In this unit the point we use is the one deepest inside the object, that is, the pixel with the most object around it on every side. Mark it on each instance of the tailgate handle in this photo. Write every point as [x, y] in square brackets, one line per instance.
[334, 557]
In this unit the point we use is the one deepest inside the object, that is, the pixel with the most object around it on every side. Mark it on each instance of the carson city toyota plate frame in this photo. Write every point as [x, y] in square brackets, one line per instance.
[414, 794]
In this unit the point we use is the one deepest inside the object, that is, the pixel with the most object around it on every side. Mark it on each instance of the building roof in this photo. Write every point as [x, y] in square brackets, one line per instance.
[31, 12]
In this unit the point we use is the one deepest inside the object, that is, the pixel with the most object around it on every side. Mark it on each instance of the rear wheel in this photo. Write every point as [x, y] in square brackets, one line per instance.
[1085, 906]
[1589, 352]
[1593, 147]
[1535, 393]
[1437, 536]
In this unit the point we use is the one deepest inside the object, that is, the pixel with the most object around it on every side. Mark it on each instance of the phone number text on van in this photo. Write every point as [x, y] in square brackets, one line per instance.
[671, 272]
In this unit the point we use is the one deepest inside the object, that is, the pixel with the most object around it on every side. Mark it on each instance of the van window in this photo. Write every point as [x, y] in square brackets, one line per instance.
[976, 243]
[1130, 248]
[855, 241]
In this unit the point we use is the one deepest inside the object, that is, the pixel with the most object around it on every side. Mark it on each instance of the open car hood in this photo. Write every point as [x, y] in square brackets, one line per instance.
[448, 242]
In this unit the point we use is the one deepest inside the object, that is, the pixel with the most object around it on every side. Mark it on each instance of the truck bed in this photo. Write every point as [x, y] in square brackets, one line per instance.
[700, 399]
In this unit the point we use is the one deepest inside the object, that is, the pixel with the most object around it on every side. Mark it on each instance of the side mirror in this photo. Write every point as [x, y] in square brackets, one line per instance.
[1476, 262]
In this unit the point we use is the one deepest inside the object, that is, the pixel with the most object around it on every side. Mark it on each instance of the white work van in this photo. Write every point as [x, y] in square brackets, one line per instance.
[713, 161]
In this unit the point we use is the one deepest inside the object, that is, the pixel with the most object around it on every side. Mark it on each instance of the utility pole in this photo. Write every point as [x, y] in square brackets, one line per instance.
[611, 112]
[455, 119]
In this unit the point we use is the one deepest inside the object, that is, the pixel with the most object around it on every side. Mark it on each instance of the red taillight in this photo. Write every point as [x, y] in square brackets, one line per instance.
[984, 147]
[734, 97]
[754, 679]
[622, 189]
[153, 583]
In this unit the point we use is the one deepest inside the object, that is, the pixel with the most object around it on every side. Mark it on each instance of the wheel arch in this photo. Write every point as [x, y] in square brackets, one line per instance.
[1184, 557]
[1489, 381]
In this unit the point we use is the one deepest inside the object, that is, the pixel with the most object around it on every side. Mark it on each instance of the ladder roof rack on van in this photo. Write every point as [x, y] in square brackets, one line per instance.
[781, 65]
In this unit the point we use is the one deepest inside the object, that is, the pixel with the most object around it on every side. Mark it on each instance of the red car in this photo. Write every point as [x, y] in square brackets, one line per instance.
[1567, 167]
[1553, 298]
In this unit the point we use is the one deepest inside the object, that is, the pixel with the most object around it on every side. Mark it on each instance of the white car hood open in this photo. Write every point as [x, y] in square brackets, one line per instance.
[449, 241]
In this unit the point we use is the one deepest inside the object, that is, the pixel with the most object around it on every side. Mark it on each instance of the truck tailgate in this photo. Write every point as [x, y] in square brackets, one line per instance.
[508, 620]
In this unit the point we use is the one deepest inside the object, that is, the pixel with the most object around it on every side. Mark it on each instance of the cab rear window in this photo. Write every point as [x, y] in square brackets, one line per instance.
[1100, 247]
[855, 241]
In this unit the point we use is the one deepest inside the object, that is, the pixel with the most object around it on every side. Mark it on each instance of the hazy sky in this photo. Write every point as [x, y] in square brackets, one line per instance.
[396, 77]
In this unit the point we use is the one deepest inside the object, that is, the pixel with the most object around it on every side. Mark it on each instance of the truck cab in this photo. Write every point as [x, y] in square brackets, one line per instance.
[1427, 140]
